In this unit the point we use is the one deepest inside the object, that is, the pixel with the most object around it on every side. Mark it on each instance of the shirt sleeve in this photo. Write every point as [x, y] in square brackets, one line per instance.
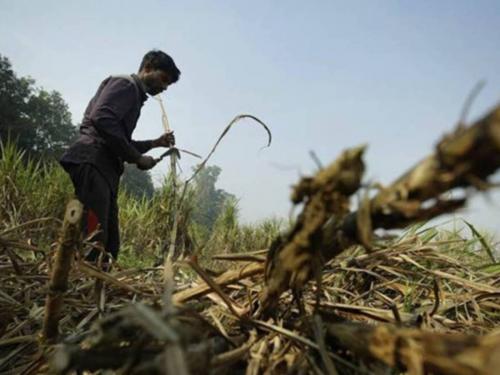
[116, 99]
[142, 146]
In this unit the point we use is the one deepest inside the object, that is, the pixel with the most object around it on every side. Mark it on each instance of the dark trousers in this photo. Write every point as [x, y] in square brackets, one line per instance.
[100, 207]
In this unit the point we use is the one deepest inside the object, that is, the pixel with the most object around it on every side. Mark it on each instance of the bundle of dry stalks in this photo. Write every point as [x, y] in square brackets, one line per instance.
[211, 325]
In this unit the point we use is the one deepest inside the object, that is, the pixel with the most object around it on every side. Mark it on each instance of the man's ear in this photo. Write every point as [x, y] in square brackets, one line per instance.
[147, 68]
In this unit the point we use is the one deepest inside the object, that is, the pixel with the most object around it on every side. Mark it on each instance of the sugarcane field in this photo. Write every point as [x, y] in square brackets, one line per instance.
[316, 193]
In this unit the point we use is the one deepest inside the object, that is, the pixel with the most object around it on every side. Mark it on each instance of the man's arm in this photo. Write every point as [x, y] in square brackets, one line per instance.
[166, 140]
[142, 146]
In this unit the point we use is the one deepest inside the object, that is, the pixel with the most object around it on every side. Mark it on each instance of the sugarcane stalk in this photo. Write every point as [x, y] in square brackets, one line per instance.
[175, 208]
[173, 196]
[68, 243]
[418, 351]
[464, 158]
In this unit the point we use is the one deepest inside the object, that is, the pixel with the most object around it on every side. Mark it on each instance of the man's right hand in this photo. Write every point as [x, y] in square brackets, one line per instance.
[145, 163]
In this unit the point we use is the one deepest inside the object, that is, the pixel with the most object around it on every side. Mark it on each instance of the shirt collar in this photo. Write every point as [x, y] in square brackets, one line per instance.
[141, 86]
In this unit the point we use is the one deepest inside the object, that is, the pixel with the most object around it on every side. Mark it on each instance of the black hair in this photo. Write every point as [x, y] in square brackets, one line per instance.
[157, 59]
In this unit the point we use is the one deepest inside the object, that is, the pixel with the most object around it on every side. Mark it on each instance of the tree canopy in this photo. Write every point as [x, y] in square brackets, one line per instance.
[210, 201]
[38, 121]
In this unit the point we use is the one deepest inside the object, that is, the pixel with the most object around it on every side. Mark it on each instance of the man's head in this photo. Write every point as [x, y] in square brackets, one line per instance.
[158, 71]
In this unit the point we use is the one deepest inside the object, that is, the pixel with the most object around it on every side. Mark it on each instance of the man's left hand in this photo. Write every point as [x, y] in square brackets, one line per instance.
[166, 140]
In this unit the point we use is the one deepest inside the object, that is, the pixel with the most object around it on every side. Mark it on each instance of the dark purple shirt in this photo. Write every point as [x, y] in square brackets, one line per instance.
[105, 139]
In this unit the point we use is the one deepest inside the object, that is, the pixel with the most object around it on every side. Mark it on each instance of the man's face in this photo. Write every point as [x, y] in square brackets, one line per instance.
[156, 81]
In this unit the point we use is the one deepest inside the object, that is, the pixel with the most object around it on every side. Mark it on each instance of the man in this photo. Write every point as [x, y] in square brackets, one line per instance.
[95, 161]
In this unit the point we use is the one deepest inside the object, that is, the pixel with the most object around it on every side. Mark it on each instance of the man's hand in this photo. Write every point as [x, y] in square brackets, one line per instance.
[145, 163]
[166, 140]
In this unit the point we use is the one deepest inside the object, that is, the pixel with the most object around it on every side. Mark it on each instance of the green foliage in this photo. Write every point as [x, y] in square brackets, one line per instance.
[146, 223]
[484, 243]
[210, 201]
[473, 249]
[37, 120]
[229, 236]
[30, 190]
[137, 183]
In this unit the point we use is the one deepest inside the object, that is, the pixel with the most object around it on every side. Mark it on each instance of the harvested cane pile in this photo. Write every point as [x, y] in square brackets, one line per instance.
[327, 297]
[183, 326]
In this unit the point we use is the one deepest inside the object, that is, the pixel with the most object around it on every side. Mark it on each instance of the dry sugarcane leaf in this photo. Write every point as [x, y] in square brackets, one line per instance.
[223, 134]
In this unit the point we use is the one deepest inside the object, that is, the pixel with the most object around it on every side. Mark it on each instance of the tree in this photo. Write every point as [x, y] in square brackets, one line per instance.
[13, 96]
[51, 120]
[38, 121]
[137, 183]
[209, 201]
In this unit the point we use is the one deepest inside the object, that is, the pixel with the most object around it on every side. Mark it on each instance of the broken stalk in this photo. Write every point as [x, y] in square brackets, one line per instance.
[173, 170]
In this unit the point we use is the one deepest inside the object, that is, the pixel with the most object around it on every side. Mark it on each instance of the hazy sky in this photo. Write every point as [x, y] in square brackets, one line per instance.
[324, 75]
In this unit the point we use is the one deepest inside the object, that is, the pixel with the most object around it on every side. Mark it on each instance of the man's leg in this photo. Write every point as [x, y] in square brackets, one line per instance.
[93, 191]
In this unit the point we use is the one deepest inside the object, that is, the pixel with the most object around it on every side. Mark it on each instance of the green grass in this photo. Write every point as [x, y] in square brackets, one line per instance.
[32, 189]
